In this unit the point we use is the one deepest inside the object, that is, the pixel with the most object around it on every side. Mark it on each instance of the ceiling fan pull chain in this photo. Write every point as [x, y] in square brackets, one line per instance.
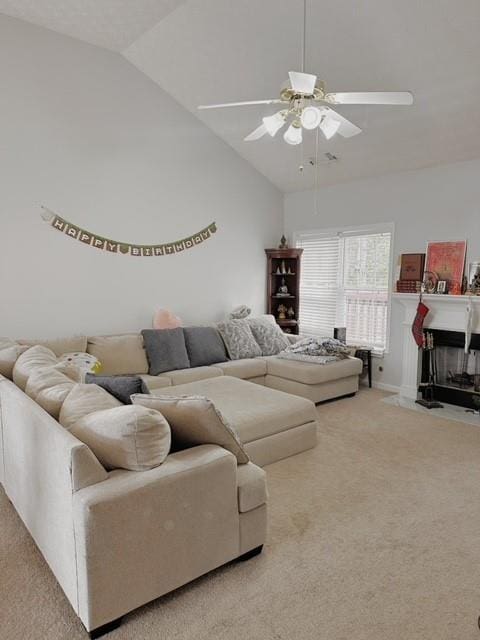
[315, 168]
[304, 41]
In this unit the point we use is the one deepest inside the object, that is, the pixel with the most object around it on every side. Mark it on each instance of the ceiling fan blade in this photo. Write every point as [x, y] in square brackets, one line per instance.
[346, 129]
[256, 133]
[371, 97]
[240, 104]
[302, 82]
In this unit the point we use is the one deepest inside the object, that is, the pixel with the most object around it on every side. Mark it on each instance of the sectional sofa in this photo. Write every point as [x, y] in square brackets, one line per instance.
[120, 538]
[125, 354]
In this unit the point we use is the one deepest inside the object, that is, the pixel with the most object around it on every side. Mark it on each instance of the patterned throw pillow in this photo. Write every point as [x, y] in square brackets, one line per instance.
[268, 335]
[84, 361]
[239, 340]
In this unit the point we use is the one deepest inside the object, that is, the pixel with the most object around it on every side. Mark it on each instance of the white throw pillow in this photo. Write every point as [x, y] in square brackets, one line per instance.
[194, 420]
[84, 399]
[9, 354]
[127, 437]
[31, 359]
[268, 335]
[239, 340]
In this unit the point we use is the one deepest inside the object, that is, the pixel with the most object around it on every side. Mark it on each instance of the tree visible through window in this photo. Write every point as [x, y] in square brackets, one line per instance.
[345, 281]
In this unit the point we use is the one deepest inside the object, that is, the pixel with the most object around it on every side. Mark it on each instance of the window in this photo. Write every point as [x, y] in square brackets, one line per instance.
[345, 281]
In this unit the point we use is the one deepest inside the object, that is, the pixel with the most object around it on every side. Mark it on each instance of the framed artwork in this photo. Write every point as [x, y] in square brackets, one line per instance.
[412, 266]
[474, 276]
[442, 286]
[447, 261]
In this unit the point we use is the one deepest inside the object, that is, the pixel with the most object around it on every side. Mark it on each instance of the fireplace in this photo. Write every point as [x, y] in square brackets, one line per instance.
[446, 320]
[456, 373]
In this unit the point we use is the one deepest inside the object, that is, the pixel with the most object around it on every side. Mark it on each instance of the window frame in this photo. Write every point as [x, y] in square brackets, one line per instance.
[358, 230]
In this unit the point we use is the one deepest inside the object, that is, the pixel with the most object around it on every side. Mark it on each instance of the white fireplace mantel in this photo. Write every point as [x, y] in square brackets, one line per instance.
[445, 312]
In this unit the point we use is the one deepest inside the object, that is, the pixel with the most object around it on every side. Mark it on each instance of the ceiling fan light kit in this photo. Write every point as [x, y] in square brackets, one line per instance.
[311, 118]
[275, 122]
[293, 135]
[309, 105]
[329, 126]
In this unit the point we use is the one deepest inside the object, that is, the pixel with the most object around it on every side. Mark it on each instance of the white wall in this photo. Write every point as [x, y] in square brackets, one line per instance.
[441, 203]
[86, 134]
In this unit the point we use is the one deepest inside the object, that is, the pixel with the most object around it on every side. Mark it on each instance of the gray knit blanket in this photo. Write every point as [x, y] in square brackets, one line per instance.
[316, 351]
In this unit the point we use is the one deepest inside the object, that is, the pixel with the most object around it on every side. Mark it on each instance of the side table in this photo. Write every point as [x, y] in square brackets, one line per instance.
[365, 355]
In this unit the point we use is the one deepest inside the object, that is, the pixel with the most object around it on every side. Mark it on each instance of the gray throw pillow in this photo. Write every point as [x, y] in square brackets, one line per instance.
[166, 350]
[120, 387]
[204, 346]
[269, 336]
[239, 340]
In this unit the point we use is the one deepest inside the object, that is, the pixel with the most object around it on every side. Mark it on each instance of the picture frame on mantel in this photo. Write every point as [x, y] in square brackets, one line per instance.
[447, 261]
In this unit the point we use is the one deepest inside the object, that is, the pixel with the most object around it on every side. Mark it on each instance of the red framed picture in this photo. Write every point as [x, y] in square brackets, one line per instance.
[447, 261]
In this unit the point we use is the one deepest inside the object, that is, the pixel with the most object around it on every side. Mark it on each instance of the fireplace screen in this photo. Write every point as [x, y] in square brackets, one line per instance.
[455, 368]
[448, 373]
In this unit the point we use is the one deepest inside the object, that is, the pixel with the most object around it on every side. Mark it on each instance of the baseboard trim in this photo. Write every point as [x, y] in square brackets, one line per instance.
[386, 387]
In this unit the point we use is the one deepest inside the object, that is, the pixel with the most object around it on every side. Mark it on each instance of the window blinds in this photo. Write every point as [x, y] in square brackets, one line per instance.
[319, 283]
[345, 282]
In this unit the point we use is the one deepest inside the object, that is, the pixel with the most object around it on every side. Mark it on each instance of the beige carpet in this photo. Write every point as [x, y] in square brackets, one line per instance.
[374, 535]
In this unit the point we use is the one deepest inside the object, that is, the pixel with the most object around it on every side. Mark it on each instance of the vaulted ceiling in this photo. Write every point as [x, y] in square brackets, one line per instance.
[203, 51]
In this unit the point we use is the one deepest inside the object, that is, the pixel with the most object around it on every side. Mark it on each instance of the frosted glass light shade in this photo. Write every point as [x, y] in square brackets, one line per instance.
[274, 123]
[293, 135]
[329, 127]
[310, 118]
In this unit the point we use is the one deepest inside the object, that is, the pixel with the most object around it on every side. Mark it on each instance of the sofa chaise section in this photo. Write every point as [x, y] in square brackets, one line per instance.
[314, 381]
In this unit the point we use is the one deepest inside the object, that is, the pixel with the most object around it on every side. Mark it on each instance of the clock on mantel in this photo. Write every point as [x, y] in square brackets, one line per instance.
[283, 287]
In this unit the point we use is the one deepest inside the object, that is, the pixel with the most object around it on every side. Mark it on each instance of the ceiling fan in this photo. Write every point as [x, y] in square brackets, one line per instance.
[307, 105]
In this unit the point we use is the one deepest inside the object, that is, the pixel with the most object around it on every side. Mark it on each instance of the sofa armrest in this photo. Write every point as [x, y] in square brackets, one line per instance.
[140, 535]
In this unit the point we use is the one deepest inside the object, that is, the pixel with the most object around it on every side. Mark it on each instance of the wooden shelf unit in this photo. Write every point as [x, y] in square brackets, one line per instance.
[291, 258]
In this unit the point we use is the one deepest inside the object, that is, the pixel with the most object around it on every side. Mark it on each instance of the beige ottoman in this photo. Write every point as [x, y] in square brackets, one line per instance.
[271, 424]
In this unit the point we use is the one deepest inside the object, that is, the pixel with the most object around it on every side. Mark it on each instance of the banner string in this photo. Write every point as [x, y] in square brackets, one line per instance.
[114, 246]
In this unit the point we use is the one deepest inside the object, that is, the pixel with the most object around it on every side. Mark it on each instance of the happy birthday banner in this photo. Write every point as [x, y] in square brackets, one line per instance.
[113, 246]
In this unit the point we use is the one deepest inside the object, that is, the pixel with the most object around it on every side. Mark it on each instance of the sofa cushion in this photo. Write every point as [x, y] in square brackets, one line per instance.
[31, 359]
[120, 387]
[254, 411]
[130, 437]
[155, 382]
[45, 377]
[204, 346]
[270, 338]
[251, 487]
[59, 346]
[310, 373]
[119, 354]
[166, 350]
[194, 420]
[9, 354]
[84, 399]
[182, 376]
[239, 340]
[247, 368]
[52, 398]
